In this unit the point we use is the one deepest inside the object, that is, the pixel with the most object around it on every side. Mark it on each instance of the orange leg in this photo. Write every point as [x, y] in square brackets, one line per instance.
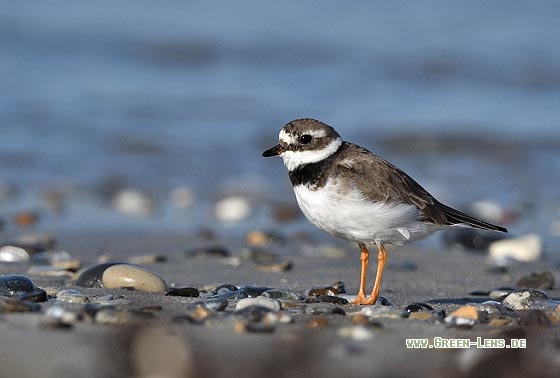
[381, 260]
[364, 258]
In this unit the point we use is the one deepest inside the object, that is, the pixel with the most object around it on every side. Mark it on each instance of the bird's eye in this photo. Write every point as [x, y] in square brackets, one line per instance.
[305, 139]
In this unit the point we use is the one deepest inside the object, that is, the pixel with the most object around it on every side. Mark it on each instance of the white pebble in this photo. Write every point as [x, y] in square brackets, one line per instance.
[134, 203]
[525, 248]
[11, 253]
[232, 209]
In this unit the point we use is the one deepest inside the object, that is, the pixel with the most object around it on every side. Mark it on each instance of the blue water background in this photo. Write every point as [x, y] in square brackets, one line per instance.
[158, 95]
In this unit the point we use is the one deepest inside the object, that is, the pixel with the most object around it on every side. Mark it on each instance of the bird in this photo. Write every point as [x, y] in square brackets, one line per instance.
[354, 194]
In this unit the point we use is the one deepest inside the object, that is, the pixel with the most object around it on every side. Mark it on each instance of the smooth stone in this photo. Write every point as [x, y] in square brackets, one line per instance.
[147, 259]
[72, 296]
[467, 312]
[500, 293]
[270, 304]
[357, 332]
[59, 259]
[274, 266]
[92, 276]
[13, 286]
[48, 271]
[18, 305]
[523, 299]
[218, 289]
[253, 313]
[282, 294]
[133, 276]
[415, 308]
[215, 304]
[537, 280]
[208, 251]
[57, 317]
[254, 291]
[13, 254]
[112, 316]
[324, 309]
[259, 238]
[332, 299]
[525, 248]
[334, 289]
[38, 295]
[133, 202]
[232, 209]
[469, 239]
[183, 292]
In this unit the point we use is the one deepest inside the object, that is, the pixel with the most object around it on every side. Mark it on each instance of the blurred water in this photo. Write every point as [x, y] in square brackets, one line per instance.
[159, 95]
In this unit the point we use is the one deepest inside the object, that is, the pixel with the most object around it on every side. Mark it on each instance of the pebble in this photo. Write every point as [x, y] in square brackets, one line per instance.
[334, 289]
[133, 276]
[18, 305]
[59, 259]
[416, 307]
[259, 238]
[537, 280]
[92, 276]
[13, 286]
[147, 259]
[133, 202]
[270, 304]
[183, 292]
[208, 251]
[525, 248]
[523, 299]
[72, 296]
[357, 332]
[13, 254]
[500, 293]
[467, 312]
[232, 209]
[282, 295]
[112, 316]
[48, 271]
[269, 262]
[324, 309]
[38, 295]
[57, 317]
[332, 299]
[469, 239]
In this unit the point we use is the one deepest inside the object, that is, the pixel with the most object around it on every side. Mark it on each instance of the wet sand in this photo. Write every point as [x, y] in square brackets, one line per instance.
[316, 341]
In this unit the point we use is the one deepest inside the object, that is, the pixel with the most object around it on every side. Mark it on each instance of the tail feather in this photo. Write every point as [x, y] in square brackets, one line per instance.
[457, 217]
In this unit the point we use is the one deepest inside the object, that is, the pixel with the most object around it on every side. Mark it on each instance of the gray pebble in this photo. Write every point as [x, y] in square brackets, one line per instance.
[523, 299]
[270, 304]
[13, 286]
[72, 296]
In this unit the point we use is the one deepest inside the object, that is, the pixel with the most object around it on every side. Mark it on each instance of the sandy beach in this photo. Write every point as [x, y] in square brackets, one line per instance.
[158, 335]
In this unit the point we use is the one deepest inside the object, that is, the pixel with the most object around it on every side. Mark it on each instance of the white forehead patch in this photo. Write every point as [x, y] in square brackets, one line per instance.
[291, 139]
[285, 137]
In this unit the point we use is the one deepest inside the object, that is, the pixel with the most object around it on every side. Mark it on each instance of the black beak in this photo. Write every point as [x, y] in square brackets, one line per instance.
[274, 151]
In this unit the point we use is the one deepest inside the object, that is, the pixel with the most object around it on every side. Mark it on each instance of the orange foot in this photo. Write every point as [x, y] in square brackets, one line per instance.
[362, 300]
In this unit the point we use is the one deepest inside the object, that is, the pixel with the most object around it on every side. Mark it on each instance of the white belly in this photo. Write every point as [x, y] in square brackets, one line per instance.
[348, 215]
